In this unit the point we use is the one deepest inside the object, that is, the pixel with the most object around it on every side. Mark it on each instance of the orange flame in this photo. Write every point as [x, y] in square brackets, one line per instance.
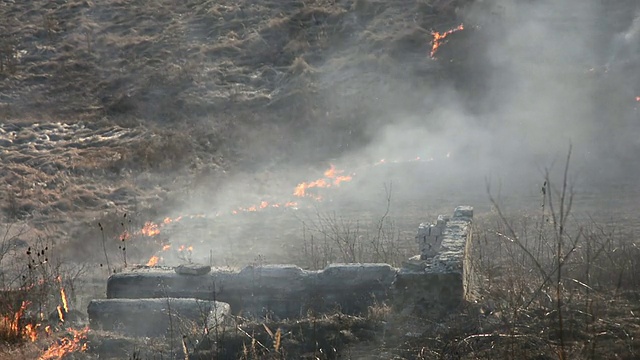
[31, 332]
[638, 98]
[65, 304]
[166, 247]
[331, 172]
[150, 229]
[67, 345]
[331, 178]
[187, 248]
[153, 261]
[438, 39]
[263, 205]
[125, 236]
[60, 313]
[13, 323]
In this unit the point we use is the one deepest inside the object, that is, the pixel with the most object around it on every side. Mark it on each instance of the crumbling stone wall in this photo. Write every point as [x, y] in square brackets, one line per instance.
[279, 291]
[432, 283]
[441, 277]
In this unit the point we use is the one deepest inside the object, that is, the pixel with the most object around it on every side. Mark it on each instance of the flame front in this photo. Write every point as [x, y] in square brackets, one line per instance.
[65, 304]
[13, 323]
[331, 178]
[150, 229]
[60, 313]
[438, 38]
[67, 345]
[153, 261]
[31, 332]
[183, 248]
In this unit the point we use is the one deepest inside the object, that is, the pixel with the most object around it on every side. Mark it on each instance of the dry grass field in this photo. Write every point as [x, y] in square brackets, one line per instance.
[312, 132]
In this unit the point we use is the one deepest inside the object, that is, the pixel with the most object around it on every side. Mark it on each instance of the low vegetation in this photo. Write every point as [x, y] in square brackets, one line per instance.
[552, 286]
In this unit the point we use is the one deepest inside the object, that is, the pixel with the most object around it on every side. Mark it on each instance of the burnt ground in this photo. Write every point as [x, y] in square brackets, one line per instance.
[116, 113]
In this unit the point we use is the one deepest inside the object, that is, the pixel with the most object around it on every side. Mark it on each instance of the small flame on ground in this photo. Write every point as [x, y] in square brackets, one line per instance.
[67, 345]
[153, 261]
[331, 178]
[65, 304]
[438, 39]
[13, 324]
[638, 98]
[187, 248]
[263, 205]
[60, 313]
[31, 331]
[124, 236]
[150, 229]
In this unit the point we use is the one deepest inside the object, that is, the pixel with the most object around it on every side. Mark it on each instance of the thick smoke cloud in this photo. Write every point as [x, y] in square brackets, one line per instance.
[532, 78]
[555, 73]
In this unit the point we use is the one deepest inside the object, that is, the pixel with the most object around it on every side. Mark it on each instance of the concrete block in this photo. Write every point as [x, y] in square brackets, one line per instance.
[156, 317]
[192, 269]
[463, 212]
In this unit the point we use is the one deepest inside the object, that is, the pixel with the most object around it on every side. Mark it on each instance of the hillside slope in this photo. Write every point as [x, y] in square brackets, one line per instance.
[118, 106]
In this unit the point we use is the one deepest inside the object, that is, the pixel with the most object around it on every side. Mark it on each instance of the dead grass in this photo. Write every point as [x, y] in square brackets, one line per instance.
[192, 87]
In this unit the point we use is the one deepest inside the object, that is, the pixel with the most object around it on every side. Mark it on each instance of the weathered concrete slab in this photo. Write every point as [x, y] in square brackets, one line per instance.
[275, 290]
[156, 317]
[350, 288]
[192, 269]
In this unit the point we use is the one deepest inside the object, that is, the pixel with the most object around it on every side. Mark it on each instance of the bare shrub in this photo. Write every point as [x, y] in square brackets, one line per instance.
[549, 276]
[330, 237]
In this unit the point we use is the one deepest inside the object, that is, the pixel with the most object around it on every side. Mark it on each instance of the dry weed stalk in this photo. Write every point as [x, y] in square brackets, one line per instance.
[551, 275]
[351, 240]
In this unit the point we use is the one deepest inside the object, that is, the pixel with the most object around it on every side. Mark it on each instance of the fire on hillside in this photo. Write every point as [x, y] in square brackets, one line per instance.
[332, 178]
[438, 39]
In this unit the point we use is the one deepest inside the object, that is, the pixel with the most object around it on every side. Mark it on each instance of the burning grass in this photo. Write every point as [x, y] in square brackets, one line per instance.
[16, 329]
[267, 56]
[75, 341]
[438, 39]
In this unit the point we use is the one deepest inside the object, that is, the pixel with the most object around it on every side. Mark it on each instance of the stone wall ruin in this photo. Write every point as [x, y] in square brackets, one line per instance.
[432, 283]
